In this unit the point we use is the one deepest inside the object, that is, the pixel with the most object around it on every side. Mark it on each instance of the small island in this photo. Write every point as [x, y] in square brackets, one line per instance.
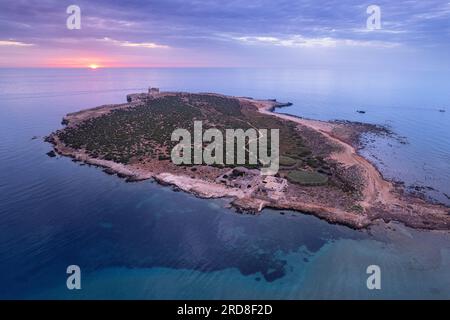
[320, 173]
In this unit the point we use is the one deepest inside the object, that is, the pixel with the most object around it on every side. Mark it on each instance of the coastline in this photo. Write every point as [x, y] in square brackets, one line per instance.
[381, 199]
[348, 157]
[379, 189]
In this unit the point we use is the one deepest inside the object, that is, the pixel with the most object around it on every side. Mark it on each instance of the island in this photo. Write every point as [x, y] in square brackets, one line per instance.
[320, 170]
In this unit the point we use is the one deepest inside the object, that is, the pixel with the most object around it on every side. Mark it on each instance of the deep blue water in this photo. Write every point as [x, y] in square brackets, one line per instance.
[142, 240]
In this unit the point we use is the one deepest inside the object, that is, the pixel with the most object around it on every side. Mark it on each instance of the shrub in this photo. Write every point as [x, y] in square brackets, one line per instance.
[312, 162]
[287, 161]
[306, 178]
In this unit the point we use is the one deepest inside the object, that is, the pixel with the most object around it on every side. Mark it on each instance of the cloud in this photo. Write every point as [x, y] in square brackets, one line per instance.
[379, 31]
[293, 41]
[147, 45]
[290, 41]
[108, 24]
[437, 12]
[235, 30]
[12, 43]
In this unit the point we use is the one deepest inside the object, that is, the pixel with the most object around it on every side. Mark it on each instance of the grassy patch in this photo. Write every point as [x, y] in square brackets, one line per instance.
[306, 178]
[287, 161]
[357, 208]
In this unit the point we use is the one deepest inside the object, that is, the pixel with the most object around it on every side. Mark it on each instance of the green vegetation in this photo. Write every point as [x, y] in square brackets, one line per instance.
[143, 132]
[357, 208]
[287, 161]
[306, 178]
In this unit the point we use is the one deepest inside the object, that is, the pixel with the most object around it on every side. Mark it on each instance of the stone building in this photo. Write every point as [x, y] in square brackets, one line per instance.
[153, 91]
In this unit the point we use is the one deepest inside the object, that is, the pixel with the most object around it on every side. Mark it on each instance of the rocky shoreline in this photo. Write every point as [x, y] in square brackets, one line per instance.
[381, 201]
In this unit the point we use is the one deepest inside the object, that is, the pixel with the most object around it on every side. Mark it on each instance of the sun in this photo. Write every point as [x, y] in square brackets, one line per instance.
[93, 66]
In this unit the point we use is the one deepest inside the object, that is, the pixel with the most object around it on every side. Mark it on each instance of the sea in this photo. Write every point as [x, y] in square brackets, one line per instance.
[146, 241]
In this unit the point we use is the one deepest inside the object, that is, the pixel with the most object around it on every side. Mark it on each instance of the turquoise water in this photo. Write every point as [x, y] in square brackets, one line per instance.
[142, 240]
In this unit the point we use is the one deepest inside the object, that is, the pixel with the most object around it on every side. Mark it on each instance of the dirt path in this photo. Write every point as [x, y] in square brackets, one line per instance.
[377, 189]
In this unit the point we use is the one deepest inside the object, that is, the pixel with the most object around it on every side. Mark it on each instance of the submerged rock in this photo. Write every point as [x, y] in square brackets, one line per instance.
[51, 154]
[109, 171]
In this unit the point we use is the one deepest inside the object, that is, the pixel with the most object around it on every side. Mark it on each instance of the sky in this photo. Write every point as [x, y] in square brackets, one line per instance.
[414, 34]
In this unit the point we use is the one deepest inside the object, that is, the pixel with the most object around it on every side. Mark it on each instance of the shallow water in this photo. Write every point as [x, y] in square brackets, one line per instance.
[141, 240]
